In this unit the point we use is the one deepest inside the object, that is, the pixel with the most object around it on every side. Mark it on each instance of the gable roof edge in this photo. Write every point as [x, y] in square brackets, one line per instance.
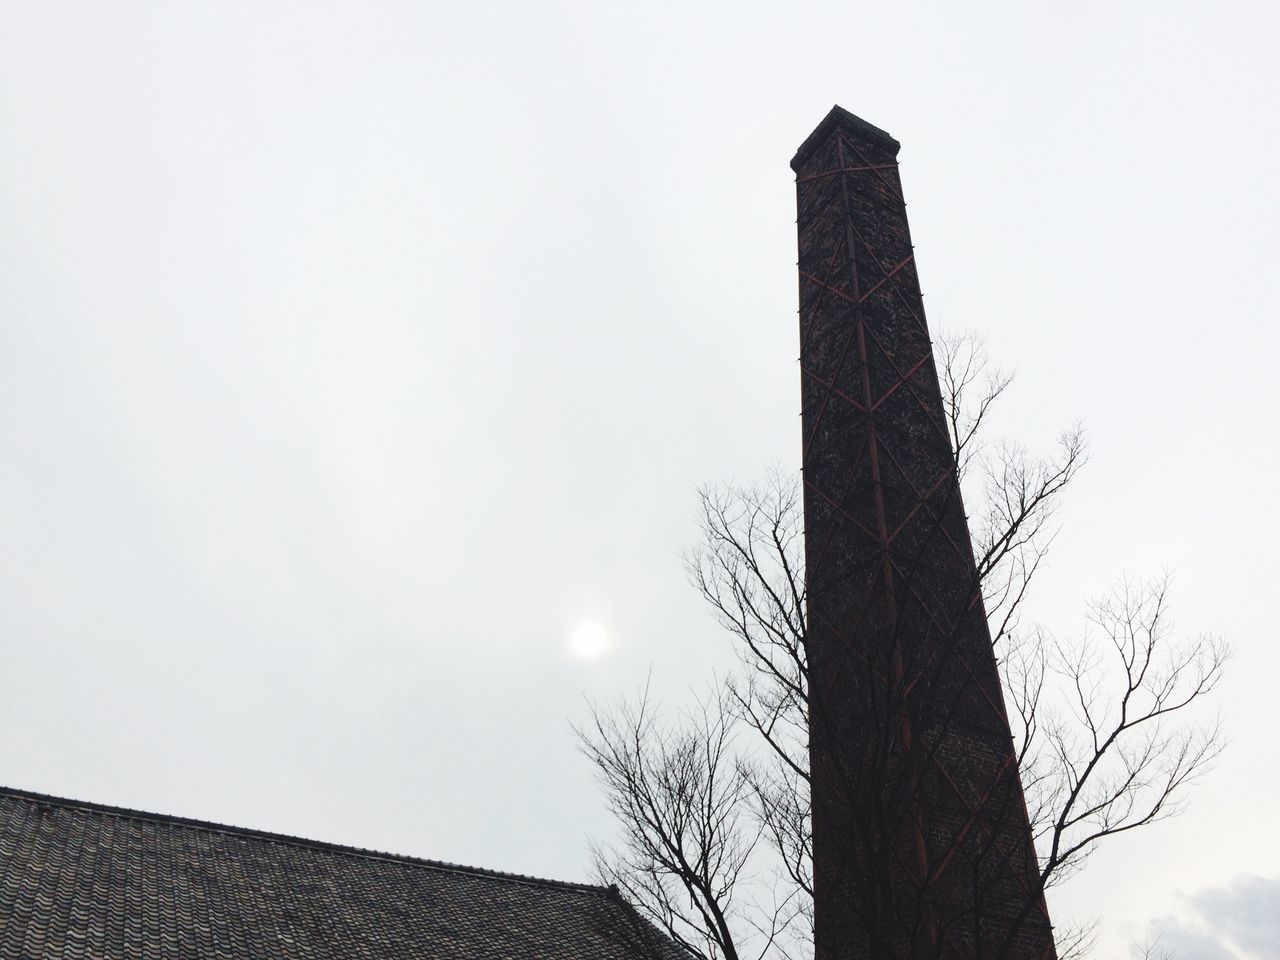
[443, 866]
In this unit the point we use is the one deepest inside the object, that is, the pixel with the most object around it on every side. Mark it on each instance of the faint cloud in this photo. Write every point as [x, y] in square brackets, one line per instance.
[1238, 921]
[1248, 913]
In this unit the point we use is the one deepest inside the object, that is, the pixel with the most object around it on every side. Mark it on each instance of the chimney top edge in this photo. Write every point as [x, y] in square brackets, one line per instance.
[840, 117]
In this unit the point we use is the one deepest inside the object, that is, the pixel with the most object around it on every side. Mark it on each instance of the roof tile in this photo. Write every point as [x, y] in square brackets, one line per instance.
[81, 880]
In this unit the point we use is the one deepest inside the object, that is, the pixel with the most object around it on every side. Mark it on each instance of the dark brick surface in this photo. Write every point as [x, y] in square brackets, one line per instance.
[921, 843]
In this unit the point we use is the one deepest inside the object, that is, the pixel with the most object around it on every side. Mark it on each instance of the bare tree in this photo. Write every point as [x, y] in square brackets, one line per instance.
[689, 832]
[1149, 949]
[1100, 745]
[1106, 754]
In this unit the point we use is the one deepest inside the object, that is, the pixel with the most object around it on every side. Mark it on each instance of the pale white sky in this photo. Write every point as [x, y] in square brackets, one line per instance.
[354, 356]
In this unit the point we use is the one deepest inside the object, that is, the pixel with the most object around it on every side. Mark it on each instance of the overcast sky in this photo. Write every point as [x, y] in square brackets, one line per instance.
[353, 356]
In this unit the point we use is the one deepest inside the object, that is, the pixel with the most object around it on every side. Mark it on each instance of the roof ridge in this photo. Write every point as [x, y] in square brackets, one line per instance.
[209, 826]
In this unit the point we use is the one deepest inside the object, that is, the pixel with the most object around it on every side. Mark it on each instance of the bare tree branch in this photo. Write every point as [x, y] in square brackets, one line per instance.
[1100, 744]
[683, 804]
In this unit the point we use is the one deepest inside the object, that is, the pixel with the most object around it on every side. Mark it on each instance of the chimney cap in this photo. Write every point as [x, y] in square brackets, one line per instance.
[840, 117]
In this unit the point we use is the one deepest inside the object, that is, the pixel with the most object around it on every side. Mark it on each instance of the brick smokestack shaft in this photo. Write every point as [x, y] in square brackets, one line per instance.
[921, 841]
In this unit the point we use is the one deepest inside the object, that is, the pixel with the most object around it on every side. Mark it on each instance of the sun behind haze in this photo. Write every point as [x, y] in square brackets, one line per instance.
[590, 641]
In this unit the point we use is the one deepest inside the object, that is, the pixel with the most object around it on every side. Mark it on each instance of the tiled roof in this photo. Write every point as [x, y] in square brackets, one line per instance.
[81, 880]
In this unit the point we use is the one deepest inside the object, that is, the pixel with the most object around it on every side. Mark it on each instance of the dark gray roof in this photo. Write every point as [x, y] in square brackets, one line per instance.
[85, 880]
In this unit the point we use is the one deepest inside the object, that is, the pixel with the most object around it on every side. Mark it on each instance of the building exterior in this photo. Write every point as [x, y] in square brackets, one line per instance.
[81, 880]
[921, 842]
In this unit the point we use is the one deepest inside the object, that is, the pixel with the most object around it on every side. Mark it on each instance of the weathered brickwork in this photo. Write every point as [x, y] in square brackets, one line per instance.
[921, 841]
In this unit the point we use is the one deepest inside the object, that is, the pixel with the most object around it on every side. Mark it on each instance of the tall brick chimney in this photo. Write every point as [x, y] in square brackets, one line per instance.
[921, 842]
